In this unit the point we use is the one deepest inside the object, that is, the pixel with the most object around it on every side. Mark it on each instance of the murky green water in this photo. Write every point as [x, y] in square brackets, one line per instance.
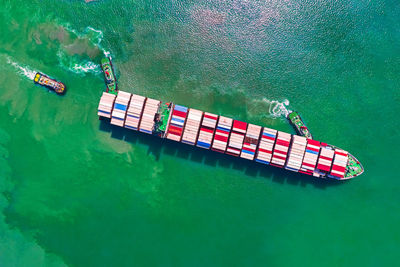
[77, 192]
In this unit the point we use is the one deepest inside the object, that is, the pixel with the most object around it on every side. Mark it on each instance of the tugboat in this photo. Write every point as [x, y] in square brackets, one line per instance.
[109, 76]
[52, 84]
[301, 128]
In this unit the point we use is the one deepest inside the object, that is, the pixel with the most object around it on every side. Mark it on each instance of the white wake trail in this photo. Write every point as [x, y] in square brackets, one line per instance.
[74, 63]
[277, 109]
[22, 69]
[99, 38]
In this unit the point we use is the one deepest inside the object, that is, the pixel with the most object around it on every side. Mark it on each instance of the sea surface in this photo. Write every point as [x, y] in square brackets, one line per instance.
[78, 192]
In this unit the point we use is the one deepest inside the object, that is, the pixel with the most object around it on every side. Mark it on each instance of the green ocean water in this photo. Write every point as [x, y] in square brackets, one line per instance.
[78, 192]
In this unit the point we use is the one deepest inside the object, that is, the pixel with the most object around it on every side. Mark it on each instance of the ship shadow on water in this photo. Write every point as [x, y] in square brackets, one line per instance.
[157, 147]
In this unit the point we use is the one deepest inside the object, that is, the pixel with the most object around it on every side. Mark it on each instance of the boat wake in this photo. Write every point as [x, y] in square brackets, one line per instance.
[75, 64]
[277, 109]
[22, 69]
[99, 39]
[88, 66]
[263, 108]
[95, 36]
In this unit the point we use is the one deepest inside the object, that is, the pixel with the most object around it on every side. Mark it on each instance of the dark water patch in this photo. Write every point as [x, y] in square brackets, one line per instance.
[18, 248]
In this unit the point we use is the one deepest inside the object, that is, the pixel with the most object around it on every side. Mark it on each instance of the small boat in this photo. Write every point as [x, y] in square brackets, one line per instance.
[52, 84]
[109, 76]
[301, 128]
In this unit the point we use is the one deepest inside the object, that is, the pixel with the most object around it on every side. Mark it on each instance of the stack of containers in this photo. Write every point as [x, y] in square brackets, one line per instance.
[236, 139]
[192, 126]
[149, 112]
[325, 159]
[222, 134]
[106, 105]
[250, 142]
[120, 107]
[134, 112]
[264, 152]
[281, 148]
[310, 157]
[339, 163]
[175, 129]
[207, 130]
[296, 153]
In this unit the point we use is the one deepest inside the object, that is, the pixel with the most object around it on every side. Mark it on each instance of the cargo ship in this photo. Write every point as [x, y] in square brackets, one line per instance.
[49, 83]
[109, 76]
[229, 136]
[301, 128]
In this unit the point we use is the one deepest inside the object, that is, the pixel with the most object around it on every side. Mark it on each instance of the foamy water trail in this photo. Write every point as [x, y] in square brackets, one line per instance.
[99, 38]
[75, 65]
[22, 69]
[263, 108]
[276, 109]
[279, 109]
[88, 66]
[96, 39]
[106, 53]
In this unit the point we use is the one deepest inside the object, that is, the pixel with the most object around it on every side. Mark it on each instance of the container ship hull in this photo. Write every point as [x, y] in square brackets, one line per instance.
[229, 136]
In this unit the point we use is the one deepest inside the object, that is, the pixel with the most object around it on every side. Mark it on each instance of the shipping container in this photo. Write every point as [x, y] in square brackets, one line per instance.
[177, 122]
[192, 126]
[339, 164]
[281, 148]
[250, 142]
[325, 159]
[134, 112]
[106, 105]
[310, 157]
[207, 130]
[296, 153]
[148, 116]
[120, 107]
[221, 135]
[266, 145]
[236, 138]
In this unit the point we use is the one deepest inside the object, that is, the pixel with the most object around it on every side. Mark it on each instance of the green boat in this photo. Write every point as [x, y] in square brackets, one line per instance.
[295, 119]
[109, 76]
